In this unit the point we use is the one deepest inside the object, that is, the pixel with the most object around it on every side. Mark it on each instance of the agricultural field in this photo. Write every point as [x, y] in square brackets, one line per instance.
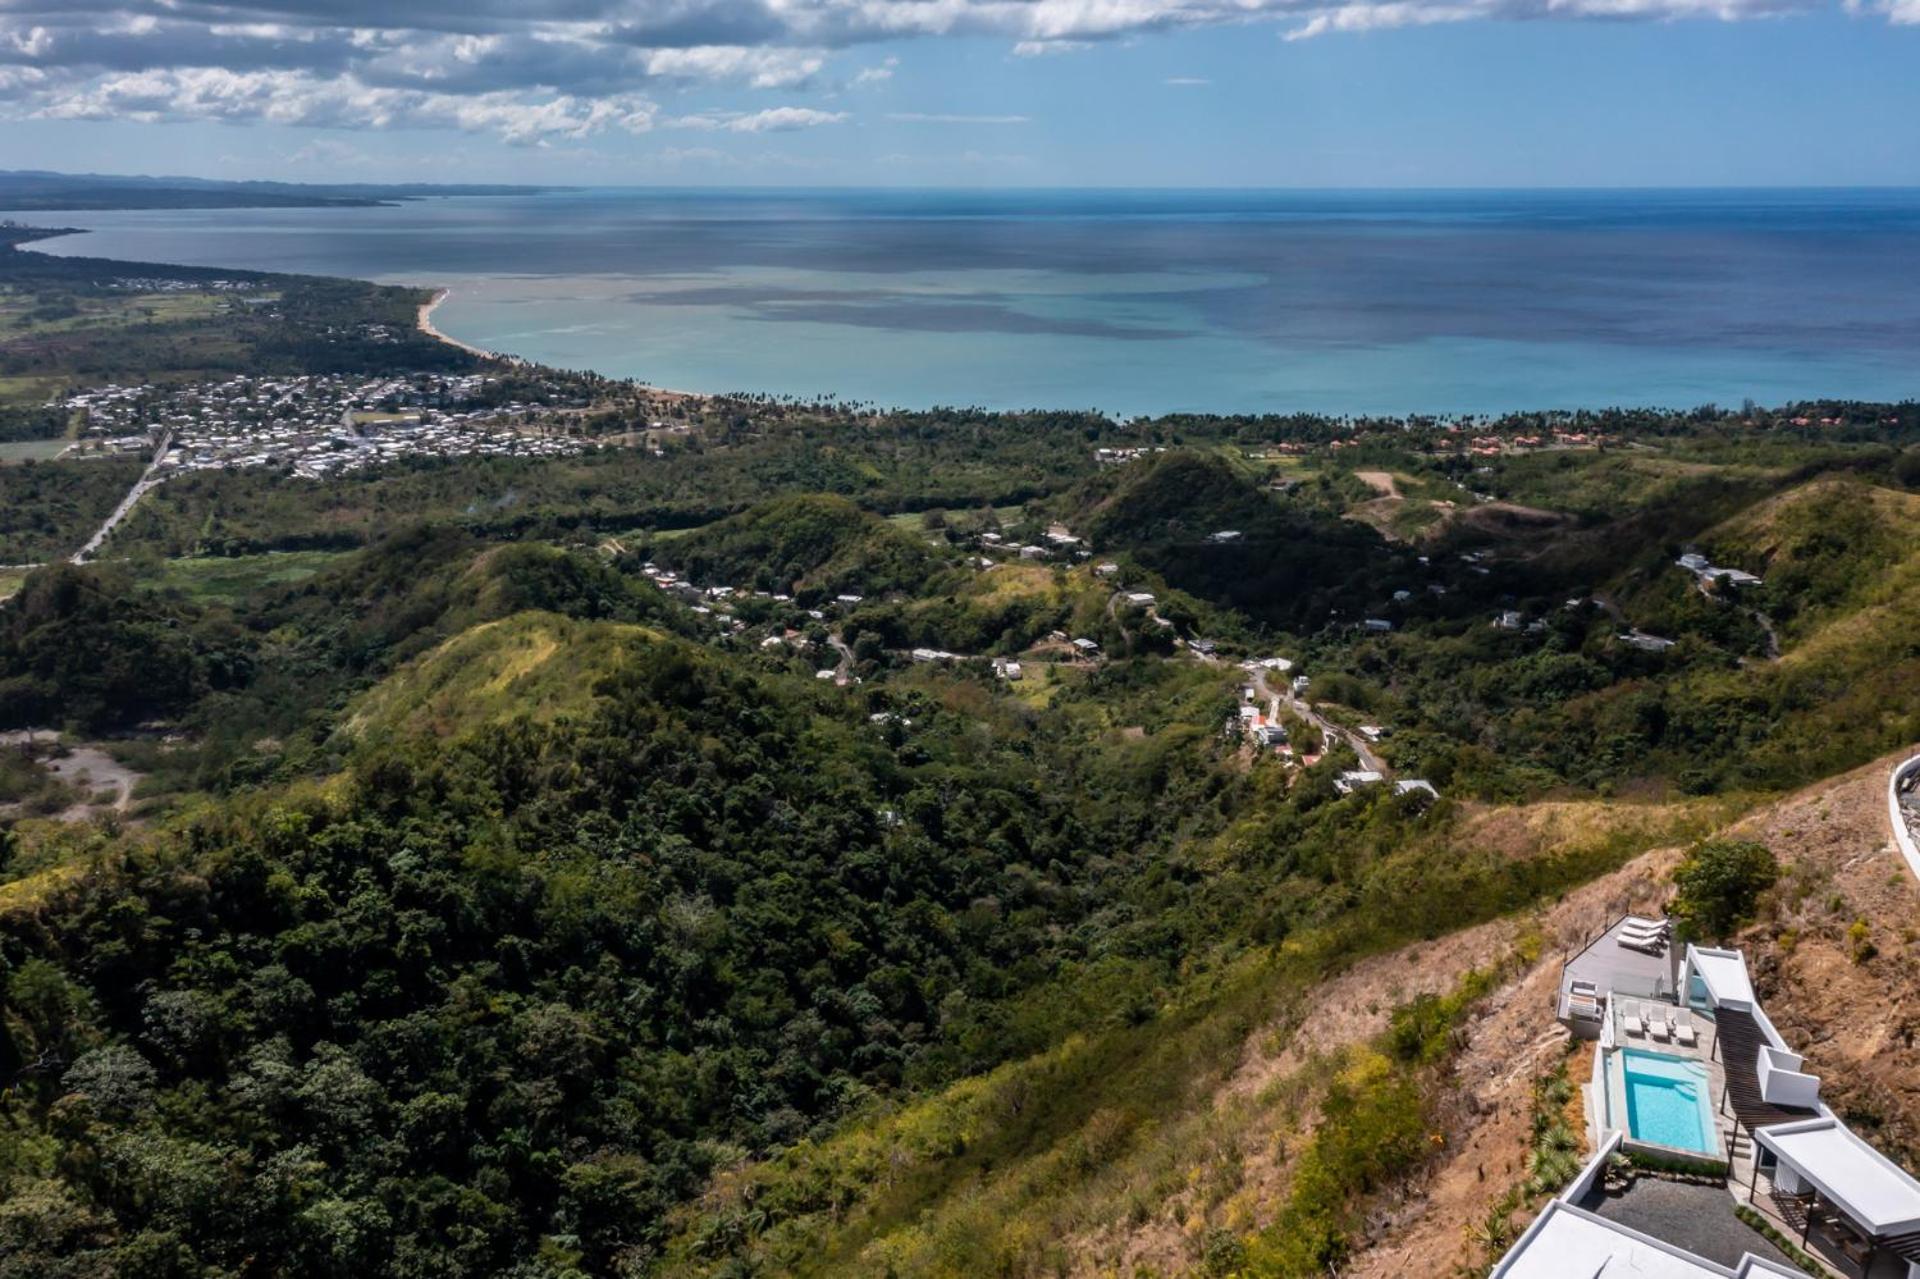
[233, 579]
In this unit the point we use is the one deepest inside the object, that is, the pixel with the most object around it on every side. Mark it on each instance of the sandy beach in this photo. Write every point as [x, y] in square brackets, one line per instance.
[427, 327]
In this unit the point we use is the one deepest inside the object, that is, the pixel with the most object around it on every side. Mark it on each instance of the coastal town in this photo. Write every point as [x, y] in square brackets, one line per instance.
[317, 426]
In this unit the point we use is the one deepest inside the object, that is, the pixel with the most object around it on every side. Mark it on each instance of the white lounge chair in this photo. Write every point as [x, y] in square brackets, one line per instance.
[1683, 1028]
[1630, 1019]
[1645, 945]
[1641, 923]
[1657, 1022]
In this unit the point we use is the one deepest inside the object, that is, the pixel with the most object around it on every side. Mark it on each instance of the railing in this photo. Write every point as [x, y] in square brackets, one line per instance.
[1597, 1086]
[1626, 986]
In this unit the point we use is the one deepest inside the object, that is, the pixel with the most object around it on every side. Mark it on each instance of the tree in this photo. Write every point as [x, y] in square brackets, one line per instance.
[1718, 883]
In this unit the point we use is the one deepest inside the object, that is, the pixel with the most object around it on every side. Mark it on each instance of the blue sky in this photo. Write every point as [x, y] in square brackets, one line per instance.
[970, 92]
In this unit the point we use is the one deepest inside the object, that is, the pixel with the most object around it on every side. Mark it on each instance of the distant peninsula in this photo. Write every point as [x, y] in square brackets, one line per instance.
[29, 190]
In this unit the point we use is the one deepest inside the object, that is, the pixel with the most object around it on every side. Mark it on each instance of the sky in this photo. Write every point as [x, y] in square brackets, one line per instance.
[1269, 93]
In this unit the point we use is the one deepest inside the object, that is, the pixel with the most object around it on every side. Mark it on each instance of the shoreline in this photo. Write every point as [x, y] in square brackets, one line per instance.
[424, 321]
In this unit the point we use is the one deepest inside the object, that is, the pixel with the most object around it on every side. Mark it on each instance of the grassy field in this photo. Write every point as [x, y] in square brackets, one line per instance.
[25, 314]
[231, 579]
[30, 450]
[27, 390]
[530, 660]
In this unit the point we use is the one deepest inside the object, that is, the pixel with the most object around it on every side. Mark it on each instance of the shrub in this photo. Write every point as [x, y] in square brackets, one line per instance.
[1719, 881]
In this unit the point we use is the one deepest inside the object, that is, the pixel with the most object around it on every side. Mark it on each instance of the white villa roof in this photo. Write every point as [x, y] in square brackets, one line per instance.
[1867, 1185]
[1725, 972]
[1565, 1242]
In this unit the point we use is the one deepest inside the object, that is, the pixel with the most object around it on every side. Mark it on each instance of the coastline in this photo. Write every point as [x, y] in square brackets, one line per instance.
[426, 326]
[425, 323]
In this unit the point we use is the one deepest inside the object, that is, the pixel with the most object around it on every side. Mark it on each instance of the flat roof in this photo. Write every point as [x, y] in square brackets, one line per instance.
[1725, 972]
[1868, 1186]
[1565, 1242]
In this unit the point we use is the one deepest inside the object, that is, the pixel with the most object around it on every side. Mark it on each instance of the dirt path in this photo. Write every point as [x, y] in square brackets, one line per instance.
[86, 768]
[1381, 482]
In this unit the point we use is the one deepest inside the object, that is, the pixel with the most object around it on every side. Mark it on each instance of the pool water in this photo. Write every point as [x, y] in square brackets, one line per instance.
[1667, 1101]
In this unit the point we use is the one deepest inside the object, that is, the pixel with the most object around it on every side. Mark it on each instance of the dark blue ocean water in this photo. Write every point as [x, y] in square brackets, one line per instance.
[1143, 301]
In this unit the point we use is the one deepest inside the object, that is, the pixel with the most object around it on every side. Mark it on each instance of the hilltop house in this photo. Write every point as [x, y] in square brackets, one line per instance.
[1688, 1071]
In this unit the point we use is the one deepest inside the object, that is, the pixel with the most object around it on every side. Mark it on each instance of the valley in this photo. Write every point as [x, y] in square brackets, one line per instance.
[750, 836]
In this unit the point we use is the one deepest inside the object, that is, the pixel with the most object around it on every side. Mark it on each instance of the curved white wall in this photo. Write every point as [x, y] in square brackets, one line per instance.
[1901, 835]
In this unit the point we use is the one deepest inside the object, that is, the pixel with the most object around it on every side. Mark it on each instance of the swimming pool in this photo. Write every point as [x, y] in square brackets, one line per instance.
[1668, 1101]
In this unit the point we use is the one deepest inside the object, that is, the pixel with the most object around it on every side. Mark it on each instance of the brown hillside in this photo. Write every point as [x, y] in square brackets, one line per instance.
[1855, 1021]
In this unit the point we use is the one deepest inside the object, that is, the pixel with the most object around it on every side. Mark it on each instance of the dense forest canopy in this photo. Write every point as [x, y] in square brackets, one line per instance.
[798, 838]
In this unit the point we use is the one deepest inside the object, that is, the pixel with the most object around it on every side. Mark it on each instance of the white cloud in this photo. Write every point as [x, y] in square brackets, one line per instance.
[1047, 48]
[758, 68]
[1901, 13]
[1187, 81]
[772, 120]
[551, 68]
[296, 98]
[923, 117]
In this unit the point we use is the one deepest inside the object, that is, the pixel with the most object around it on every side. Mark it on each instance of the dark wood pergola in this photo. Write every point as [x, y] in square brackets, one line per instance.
[1737, 1042]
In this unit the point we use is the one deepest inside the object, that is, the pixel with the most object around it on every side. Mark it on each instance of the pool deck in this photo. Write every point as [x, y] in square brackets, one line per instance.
[1701, 1051]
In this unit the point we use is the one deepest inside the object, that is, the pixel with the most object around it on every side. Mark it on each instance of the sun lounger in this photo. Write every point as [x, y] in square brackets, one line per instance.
[1630, 1019]
[1632, 928]
[1683, 1028]
[1645, 945]
[1643, 924]
[1657, 1023]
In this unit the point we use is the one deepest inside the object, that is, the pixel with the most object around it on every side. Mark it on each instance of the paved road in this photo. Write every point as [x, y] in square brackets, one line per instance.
[148, 479]
[1283, 696]
[844, 667]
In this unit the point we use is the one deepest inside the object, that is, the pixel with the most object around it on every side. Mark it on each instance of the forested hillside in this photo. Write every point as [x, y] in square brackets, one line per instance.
[787, 839]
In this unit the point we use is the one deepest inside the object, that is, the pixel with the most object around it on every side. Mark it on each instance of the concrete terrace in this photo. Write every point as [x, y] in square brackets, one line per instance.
[1603, 965]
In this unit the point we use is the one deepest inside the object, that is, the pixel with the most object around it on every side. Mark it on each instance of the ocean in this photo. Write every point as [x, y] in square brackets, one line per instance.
[1140, 302]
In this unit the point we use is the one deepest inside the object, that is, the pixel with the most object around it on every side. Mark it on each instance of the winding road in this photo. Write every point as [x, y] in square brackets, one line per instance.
[844, 667]
[1284, 696]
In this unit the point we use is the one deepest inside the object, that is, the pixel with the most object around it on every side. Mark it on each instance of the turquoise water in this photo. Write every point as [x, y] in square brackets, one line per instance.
[1667, 1101]
[1140, 301]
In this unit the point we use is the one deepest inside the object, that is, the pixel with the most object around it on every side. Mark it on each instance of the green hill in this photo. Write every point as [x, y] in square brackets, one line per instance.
[1288, 568]
[534, 665]
[1179, 496]
[811, 546]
